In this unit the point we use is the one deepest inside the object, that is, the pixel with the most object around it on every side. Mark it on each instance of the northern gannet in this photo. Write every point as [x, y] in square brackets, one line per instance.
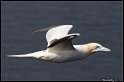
[60, 47]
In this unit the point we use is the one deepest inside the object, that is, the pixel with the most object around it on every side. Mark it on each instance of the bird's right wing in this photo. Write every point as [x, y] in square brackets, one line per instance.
[58, 38]
[57, 33]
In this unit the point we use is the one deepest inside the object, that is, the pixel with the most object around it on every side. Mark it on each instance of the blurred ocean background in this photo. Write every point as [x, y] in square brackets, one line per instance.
[100, 22]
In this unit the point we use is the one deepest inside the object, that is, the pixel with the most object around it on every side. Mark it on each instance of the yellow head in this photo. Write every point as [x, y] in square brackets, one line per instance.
[94, 47]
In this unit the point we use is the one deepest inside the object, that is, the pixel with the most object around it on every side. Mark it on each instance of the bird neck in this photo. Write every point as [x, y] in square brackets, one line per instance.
[86, 48]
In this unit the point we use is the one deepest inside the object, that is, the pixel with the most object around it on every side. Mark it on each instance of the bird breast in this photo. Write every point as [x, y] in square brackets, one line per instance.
[63, 56]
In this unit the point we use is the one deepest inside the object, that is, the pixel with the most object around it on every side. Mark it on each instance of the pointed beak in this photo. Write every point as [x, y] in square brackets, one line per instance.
[104, 49]
[101, 49]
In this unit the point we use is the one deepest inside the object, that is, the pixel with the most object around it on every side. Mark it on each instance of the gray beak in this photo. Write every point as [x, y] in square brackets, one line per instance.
[101, 49]
[104, 49]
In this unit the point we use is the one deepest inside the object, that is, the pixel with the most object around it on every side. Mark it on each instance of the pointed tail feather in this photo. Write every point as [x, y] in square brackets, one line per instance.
[34, 55]
[19, 56]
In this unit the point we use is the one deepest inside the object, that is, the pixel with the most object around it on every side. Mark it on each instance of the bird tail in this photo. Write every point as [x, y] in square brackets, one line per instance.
[34, 54]
[26, 55]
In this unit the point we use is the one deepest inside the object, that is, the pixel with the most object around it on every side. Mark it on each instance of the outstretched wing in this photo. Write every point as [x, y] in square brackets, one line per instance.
[57, 33]
[63, 44]
[58, 38]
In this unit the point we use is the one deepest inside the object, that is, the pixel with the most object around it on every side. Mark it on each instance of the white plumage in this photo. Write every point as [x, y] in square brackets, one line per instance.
[60, 47]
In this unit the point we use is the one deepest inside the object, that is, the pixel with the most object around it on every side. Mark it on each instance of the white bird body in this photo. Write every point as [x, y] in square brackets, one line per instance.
[61, 56]
[60, 47]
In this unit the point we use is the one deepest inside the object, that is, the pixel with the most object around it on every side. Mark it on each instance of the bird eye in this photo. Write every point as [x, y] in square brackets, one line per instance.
[97, 46]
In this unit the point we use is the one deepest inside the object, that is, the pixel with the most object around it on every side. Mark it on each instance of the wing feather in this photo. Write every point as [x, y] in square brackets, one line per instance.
[58, 38]
[57, 32]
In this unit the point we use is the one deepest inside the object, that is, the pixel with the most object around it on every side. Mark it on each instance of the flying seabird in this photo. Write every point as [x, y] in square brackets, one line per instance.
[60, 47]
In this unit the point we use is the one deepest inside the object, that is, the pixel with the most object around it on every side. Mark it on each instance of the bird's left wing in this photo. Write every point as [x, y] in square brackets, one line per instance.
[63, 44]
